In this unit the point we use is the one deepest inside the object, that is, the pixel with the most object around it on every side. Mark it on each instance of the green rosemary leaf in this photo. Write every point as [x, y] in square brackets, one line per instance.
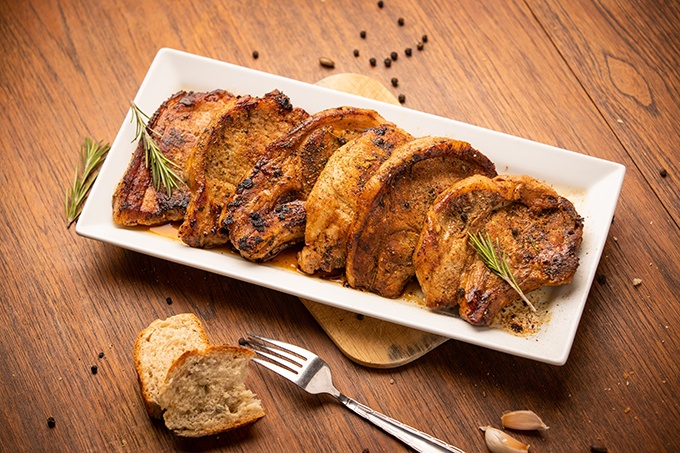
[92, 154]
[163, 172]
[486, 250]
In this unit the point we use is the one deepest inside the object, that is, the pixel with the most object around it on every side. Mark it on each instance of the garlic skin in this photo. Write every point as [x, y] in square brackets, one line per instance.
[523, 420]
[498, 441]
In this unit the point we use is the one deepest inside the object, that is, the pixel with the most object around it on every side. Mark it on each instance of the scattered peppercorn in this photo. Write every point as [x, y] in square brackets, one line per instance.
[601, 279]
[420, 46]
[402, 98]
[401, 21]
[408, 51]
[424, 38]
[372, 61]
[256, 54]
[94, 369]
[242, 341]
[381, 4]
[360, 317]
[356, 52]
[168, 300]
[362, 33]
[388, 62]
[395, 82]
[101, 355]
[598, 449]
[663, 173]
[51, 422]
[326, 62]
[394, 56]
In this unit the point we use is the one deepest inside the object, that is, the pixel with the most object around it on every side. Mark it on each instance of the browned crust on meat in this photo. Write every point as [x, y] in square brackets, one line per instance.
[226, 152]
[267, 213]
[539, 231]
[392, 207]
[332, 202]
[178, 122]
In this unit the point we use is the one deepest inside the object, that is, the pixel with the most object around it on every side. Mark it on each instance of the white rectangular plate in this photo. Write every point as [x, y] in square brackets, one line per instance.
[592, 184]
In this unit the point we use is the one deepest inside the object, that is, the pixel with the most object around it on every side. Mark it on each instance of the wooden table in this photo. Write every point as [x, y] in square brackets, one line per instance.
[598, 77]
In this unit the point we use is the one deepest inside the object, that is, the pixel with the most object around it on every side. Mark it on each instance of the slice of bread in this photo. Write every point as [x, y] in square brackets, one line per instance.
[205, 393]
[156, 349]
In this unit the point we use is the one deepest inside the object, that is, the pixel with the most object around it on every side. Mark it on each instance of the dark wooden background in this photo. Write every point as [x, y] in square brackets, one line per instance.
[599, 77]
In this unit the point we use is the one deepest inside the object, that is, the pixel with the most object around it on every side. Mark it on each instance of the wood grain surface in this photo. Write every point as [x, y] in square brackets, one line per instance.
[599, 77]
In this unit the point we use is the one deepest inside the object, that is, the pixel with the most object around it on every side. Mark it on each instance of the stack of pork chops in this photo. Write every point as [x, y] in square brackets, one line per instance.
[359, 195]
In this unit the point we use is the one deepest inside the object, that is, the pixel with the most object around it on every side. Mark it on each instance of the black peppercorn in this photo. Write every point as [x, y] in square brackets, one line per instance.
[101, 355]
[93, 369]
[51, 422]
[388, 62]
[402, 98]
[256, 54]
[408, 51]
[394, 56]
[372, 61]
[381, 4]
[663, 173]
[601, 279]
[395, 82]
[401, 21]
[362, 33]
[242, 341]
[360, 317]
[168, 300]
[424, 38]
[356, 52]
[420, 46]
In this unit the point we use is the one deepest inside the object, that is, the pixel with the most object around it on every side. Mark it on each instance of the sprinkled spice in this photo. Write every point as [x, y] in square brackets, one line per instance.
[356, 52]
[424, 38]
[395, 82]
[394, 56]
[242, 341]
[408, 51]
[256, 54]
[101, 355]
[372, 61]
[93, 369]
[326, 62]
[362, 33]
[420, 46]
[168, 300]
[51, 422]
[388, 62]
[381, 4]
[663, 173]
[598, 449]
[601, 279]
[402, 98]
[360, 317]
[400, 21]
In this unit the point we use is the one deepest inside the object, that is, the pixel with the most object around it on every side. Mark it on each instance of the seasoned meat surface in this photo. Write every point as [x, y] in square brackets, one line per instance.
[538, 230]
[267, 213]
[332, 202]
[391, 209]
[225, 153]
[178, 122]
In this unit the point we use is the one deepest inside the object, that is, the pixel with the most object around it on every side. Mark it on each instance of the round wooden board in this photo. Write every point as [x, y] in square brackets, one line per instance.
[368, 341]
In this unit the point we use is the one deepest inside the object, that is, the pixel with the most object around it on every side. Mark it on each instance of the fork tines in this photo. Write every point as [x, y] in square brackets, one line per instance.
[284, 359]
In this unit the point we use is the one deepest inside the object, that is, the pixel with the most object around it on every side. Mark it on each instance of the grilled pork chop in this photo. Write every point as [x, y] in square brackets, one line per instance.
[391, 209]
[538, 230]
[178, 122]
[225, 153]
[267, 213]
[332, 202]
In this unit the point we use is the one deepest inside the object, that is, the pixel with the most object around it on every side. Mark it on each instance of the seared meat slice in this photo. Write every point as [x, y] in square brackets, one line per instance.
[267, 213]
[178, 121]
[332, 203]
[538, 230]
[391, 210]
[225, 153]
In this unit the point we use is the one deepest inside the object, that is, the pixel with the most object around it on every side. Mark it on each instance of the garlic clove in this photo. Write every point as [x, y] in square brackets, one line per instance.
[498, 441]
[524, 420]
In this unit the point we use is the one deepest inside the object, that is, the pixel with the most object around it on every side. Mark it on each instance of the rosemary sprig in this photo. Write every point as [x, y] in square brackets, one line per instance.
[92, 154]
[162, 172]
[486, 250]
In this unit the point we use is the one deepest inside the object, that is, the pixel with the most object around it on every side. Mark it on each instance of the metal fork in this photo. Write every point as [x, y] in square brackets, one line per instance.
[312, 374]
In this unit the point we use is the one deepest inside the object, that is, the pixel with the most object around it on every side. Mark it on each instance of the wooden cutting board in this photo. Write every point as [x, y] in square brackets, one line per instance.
[368, 341]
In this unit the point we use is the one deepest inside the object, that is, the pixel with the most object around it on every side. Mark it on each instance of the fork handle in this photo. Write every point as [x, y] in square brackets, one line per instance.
[415, 439]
